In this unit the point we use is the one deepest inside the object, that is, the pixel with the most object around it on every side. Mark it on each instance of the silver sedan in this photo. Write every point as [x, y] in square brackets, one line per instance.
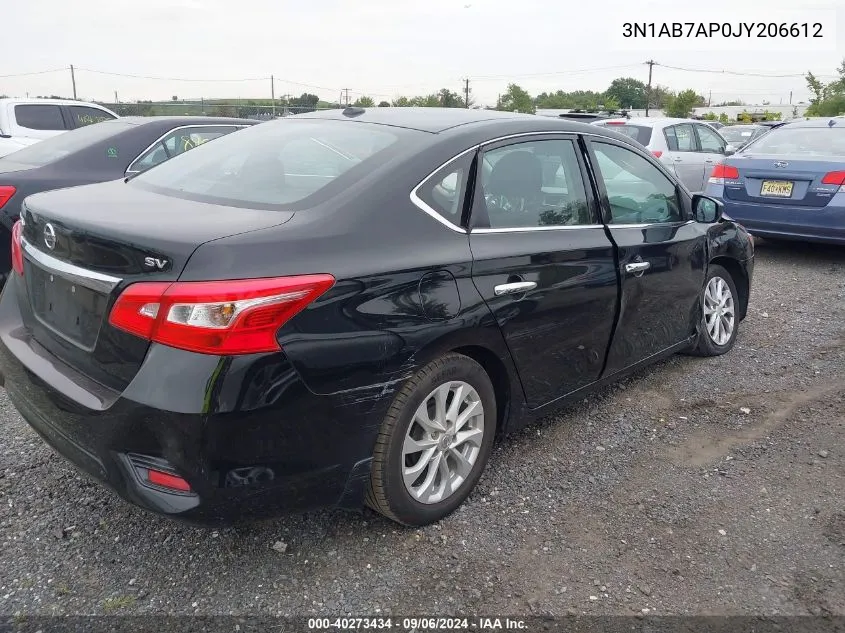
[689, 149]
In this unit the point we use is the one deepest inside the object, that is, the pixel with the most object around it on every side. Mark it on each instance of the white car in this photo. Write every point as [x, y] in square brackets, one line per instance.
[27, 121]
[688, 148]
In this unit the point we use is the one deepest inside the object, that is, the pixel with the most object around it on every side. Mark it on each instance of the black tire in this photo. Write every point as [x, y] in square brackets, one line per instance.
[705, 345]
[387, 493]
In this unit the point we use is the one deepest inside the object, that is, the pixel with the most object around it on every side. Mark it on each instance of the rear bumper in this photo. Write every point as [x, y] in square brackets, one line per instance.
[247, 435]
[824, 224]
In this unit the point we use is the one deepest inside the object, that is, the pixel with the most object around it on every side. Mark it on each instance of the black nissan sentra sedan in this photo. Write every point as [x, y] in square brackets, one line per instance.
[347, 307]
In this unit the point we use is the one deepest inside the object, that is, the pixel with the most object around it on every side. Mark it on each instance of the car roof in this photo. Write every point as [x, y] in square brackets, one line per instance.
[23, 100]
[822, 122]
[187, 120]
[434, 120]
[654, 122]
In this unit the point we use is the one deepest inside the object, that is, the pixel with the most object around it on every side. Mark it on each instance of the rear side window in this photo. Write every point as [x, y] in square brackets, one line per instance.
[443, 193]
[282, 164]
[39, 117]
[639, 133]
[85, 115]
[679, 138]
[176, 142]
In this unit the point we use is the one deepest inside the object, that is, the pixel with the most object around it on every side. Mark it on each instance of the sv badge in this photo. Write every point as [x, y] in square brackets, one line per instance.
[155, 262]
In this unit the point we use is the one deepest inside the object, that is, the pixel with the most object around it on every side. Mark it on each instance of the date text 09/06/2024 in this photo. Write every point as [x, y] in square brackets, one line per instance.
[415, 624]
[722, 29]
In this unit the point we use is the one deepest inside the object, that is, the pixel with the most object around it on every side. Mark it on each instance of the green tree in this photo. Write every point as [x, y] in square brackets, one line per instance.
[449, 99]
[611, 104]
[304, 103]
[724, 118]
[401, 102]
[660, 96]
[384, 104]
[828, 99]
[682, 104]
[364, 102]
[427, 101]
[629, 92]
[710, 116]
[516, 99]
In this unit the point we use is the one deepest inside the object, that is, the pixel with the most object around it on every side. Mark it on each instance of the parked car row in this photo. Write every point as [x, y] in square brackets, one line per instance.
[346, 307]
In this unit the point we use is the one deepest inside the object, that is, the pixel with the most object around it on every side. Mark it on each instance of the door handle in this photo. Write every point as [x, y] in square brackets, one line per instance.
[678, 160]
[516, 288]
[637, 267]
[709, 160]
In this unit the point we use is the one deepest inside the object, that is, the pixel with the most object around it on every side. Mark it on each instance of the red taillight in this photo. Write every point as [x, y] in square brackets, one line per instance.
[166, 480]
[834, 178]
[722, 172]
[216, 317]
[17, 248]
[615, 123]
[657, 153]
[6, 193]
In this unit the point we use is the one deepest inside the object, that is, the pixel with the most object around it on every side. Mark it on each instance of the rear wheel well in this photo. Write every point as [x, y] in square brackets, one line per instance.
[740, 280]
[498, 374]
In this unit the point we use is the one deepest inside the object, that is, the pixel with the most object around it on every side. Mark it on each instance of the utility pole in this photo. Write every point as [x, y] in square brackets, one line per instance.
[790, 97]
[273, 95]
[346, 91]
[648, 87]
[466, 92]
[73, 80]
[115, 98]
[709, 98]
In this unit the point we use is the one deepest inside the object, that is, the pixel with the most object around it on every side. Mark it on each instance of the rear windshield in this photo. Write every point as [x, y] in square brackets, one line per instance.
[740, 133]
[806, 141]
[277, 164]
[639, 133]
[57, 147]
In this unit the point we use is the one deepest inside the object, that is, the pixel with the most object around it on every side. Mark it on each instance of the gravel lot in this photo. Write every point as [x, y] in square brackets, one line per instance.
[698, 487]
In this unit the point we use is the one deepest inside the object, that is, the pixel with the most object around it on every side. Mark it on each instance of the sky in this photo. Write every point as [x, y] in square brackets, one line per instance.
[387, 48]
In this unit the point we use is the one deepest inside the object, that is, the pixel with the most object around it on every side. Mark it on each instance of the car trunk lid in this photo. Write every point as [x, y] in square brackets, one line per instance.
[776, 181]
[83, 246]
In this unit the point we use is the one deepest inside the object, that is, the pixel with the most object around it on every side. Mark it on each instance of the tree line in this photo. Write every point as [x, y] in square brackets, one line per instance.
[828, 98]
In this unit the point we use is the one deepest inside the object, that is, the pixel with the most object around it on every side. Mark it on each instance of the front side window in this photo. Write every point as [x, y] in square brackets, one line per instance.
[85, 115]
[176, 142]
[533, 184]
[38, 116]
[679, 138]
[637, 191]
[286, 164]
[710, 141]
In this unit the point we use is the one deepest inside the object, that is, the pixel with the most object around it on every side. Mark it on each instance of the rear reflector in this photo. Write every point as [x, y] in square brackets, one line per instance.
[216, 317]
[657, 153]
[6, 193]
[834, 178]
[17, 248]
[722, 172]
[166, 480]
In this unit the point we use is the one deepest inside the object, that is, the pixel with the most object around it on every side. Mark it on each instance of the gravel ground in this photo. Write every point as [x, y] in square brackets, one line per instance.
[701, 486]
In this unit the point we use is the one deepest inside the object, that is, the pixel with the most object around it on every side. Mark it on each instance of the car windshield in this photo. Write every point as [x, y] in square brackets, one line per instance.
[57, 147]
[276, 165]
[639, 133]
[805, 141]
[739, 133]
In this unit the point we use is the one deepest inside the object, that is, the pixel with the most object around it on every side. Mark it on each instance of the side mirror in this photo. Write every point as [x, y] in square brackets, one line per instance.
[730, 150]
[706, 210]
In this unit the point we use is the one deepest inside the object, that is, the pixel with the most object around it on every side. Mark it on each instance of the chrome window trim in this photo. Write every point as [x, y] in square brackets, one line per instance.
[422, 206]
[645, 225]
[131, 172]
[99, 282]
[525, 229]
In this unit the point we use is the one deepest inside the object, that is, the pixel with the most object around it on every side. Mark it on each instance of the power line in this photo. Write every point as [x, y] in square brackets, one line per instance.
[103, 72]
[559, 72]
[737, 73]
[36, 72]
